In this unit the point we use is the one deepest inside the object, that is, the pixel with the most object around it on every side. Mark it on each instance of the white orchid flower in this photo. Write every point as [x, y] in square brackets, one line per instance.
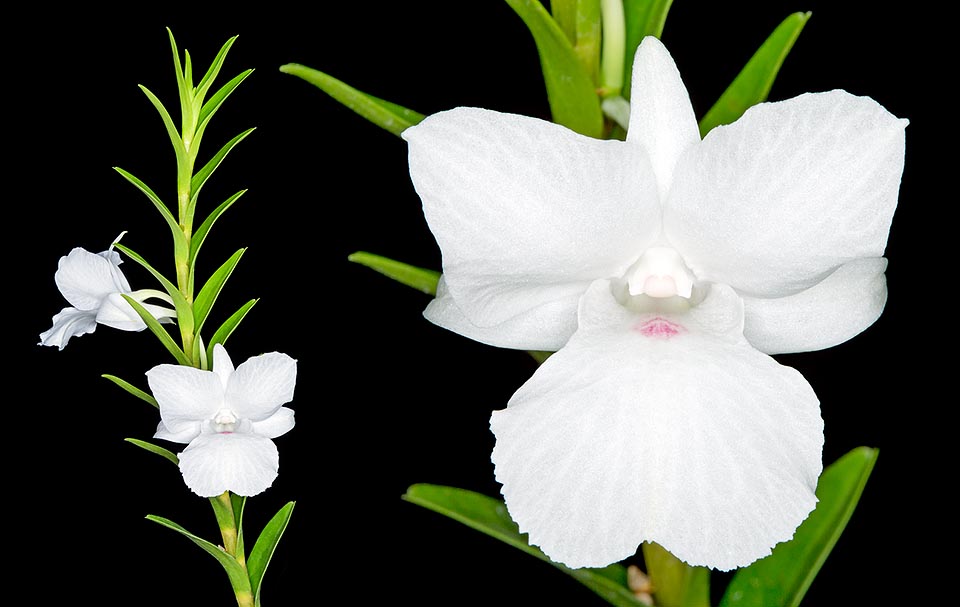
[93, 285]
[665, 269]
[228, 417]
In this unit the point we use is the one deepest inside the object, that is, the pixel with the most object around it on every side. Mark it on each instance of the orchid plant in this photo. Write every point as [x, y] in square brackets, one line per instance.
[653, 264]
[650, 262]
[226, 415]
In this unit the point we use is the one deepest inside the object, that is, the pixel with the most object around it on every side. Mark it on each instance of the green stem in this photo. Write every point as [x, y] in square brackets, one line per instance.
[613, 47]
[229, 531]
[675, 583]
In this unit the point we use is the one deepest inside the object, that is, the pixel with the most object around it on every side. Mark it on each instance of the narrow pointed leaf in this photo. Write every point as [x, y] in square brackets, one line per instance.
[132, 389]
[753, 83]
[184, 313]
[236, 573]
[388, 116]
[179, 241]
[208, 294]
[157, 329]
[265, 546]
[781, 579]
[572, 95]
[221, 335]
[489, 516]
[211, 106]
[168, 455]
[185, 94]
[421, 279]
[203, 174]
[200, 234]
[205, 83]
[643, 18]
[175, 139]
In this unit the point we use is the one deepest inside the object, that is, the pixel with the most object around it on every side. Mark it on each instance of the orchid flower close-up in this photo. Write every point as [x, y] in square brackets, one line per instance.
[664, 271]
[93, 284]
[228, 417]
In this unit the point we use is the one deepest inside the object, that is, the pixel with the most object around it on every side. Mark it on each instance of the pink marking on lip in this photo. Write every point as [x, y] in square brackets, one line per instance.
[658, 327]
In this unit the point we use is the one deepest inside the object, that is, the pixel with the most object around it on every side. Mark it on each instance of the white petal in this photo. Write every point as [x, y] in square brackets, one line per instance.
[546, 327]
[774, 202]
[688, 439]
[527, 213]
[829, 313]
[185, 395]
[661, 116]
[260, 385]
[85, 278]
[69, 322]
[243, 463]
[222, 364]
[277, 424]
[186, 432]
[115, 312]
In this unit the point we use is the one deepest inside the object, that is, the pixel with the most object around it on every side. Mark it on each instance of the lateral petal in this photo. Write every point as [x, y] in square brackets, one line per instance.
[774, 202]
[86, 278]
[661, 115]
[185, 396]
[261, 384]
[545, 327]
[684, 437]
[69, 322]
[245, 464]
[527, 213]
[829, 313]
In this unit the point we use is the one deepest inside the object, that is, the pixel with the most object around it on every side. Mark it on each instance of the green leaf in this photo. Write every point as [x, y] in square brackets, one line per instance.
[184, 313]
[210, 107]
[207, 81]
[169, 455]
[572, 95]
[236, 572]
[178, 146]
[157, 330]
[421, 279]
[488, 515]
[781, 579]
[386, 115]
[208, 294]
[752, 84]
[675, 583]
[132, 389]
[239, 503]
[644, 18]
[179, 240]
[220, 337]
[265, 546]
[201, 233]
[203, 174]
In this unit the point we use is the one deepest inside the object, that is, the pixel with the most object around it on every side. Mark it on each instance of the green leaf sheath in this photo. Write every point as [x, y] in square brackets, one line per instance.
[388, 116]
[643, 18]
[570, 91]
[168, 455]
[675, 583]
[489, 516]
[132, 389]
[420, 279]
[753, 83]
[781, 579]
[265, 546]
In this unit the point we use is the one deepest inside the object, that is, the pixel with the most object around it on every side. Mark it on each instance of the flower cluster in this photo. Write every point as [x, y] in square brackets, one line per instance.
[664, 271]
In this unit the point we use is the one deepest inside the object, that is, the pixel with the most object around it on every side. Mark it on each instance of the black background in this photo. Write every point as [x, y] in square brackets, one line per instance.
[385, 399]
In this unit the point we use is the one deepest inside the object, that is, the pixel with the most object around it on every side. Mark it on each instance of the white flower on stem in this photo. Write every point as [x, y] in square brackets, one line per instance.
[665, 269]
[228, 417]
[93, 285]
